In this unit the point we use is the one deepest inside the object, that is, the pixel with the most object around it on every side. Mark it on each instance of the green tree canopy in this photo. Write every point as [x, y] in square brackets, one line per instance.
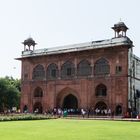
[9, 93]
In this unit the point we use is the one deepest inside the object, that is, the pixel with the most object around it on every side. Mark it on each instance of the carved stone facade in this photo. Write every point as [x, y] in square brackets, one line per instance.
[84, 76]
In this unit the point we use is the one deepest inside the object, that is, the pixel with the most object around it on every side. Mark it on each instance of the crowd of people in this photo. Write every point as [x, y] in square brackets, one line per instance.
[83, 112]
[91, 112]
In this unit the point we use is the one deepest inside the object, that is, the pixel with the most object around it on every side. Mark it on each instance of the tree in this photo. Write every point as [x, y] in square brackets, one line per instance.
[9, 93]
[3, 90]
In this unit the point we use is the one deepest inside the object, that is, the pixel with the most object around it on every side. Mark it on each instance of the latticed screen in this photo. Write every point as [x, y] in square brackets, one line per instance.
[39, 72]
[101, 67]
[84, 68]
[101, 90]
[52, 71]
[67, 70]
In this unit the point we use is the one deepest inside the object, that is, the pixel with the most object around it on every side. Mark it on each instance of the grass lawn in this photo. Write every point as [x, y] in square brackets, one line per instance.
[64, 129]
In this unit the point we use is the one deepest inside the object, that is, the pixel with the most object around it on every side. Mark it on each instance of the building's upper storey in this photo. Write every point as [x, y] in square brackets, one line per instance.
[120, 39]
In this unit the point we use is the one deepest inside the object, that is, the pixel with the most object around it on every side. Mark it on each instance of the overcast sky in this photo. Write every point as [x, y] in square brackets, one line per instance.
[54, 23]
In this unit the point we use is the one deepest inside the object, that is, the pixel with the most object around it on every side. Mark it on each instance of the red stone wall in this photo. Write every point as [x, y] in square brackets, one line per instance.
[82, 88]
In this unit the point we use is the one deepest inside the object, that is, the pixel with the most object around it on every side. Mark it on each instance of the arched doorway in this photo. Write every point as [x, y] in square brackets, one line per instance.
[70, 102]
[118, 110]
[100, 108]
[25, 109]
[101, 90]
[37, 107]
[38, 92]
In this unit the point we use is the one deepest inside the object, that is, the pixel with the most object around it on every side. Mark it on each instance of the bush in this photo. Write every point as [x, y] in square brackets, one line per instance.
[19, 117]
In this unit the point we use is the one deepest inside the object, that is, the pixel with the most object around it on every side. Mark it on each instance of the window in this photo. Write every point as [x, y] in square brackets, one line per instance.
[38, 72]
[118, 110]
[38, 92]
[101, 90]
[84, 68]
[67, 70]
[137, 93]
[52, 71]
[118, 69]
[101, 67]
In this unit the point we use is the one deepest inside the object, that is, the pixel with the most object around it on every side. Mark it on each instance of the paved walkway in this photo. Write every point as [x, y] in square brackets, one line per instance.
[116, 118]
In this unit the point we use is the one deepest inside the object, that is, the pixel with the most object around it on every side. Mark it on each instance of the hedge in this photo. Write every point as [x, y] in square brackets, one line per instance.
[19, 117]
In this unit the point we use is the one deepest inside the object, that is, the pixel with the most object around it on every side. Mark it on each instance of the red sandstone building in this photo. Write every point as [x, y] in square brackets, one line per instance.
[86, 75]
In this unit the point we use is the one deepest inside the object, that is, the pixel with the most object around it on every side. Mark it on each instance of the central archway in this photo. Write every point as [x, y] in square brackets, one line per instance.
[101, 108]
[68, 98]
[37, 108]
[70, 102]
[101, 105]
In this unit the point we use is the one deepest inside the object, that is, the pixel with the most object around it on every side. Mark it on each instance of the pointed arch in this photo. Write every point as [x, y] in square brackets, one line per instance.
[101, 90]
[84, 68]
[38, 72]
[52, 71]
[101, 105]
[38, 92]
[37, 108]
[25, 109]
[101, 67]
[100, 108]
[118, 110]
[70, 102]
[64, 93]
[67, 70]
